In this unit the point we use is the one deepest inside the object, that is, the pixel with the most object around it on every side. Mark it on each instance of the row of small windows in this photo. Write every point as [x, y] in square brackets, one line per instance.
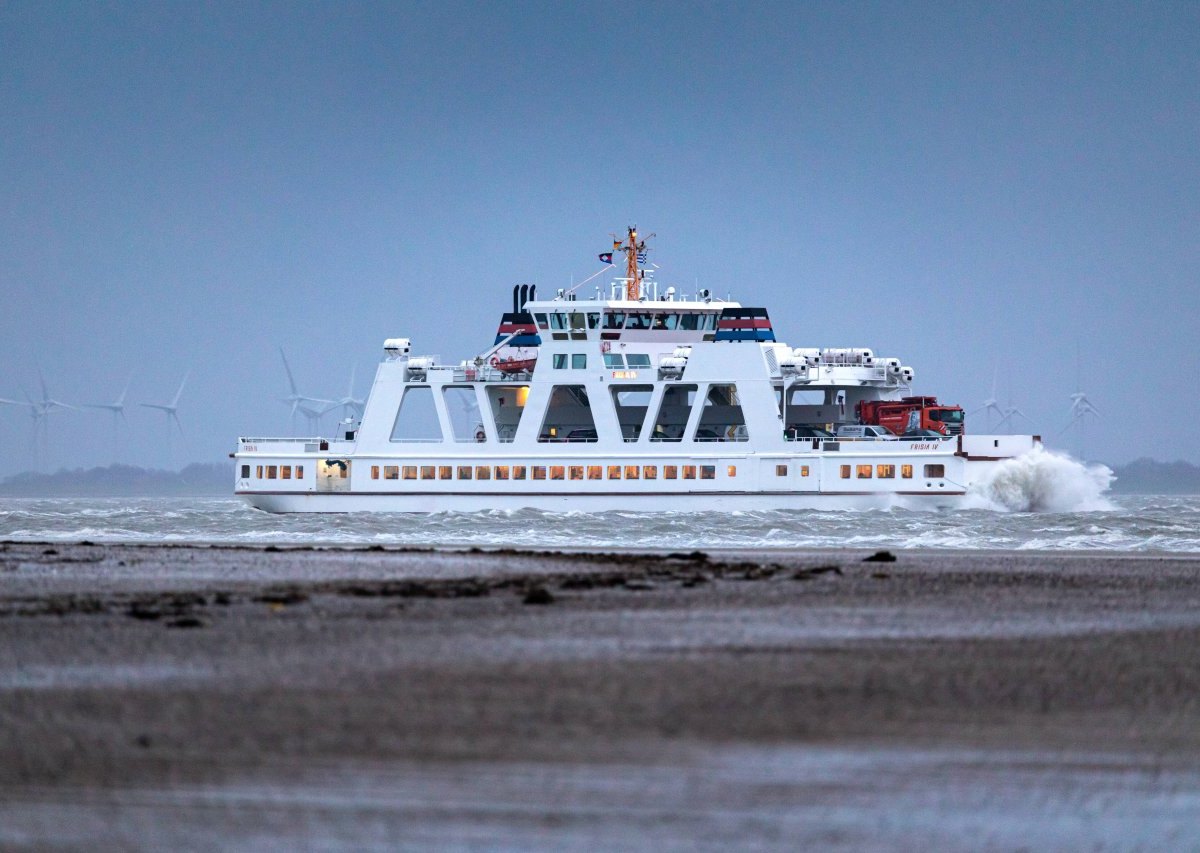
[579, 321]
[273, 472]
[887, 472]
[549, 472]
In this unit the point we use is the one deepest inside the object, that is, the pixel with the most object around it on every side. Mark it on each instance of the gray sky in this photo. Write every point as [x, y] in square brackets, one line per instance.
[971, 187]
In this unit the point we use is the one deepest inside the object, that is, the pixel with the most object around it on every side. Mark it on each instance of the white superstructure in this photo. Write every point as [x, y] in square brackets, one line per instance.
[650, 403]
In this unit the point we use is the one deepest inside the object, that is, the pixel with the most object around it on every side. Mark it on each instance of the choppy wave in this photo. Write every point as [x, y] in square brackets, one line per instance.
[1133, 523]
[1044, 481]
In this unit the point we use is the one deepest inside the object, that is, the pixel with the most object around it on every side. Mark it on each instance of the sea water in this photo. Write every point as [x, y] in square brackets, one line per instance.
[1040, 501]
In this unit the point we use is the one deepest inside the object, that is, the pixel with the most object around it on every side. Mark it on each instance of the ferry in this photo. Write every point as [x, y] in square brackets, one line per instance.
[639, 399]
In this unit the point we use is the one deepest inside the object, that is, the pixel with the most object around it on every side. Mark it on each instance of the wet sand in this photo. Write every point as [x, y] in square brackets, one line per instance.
[214, 697]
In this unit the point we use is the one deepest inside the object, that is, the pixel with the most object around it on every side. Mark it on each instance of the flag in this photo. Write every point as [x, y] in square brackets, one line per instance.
[606, 257]
[642, 257]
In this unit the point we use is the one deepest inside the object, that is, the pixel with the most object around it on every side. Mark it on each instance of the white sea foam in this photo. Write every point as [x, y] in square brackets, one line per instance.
[1044, 481]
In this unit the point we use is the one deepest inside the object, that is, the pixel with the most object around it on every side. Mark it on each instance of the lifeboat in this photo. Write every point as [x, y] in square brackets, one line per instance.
[514, 365]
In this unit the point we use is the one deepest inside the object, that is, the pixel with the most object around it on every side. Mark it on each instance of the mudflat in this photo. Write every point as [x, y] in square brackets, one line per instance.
[155, 696]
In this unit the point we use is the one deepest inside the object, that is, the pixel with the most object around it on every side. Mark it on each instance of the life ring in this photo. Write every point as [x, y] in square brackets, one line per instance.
[480, 435]
[605, 346]
[495, 361]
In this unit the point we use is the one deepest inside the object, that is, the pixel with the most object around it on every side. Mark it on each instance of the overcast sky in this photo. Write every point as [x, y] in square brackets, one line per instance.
[975, 188]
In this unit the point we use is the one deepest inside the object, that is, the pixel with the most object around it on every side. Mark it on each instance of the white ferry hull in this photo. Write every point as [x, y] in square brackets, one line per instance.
[345, 502]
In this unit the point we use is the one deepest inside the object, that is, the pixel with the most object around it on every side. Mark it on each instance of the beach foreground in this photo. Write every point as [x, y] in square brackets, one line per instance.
[211, 697]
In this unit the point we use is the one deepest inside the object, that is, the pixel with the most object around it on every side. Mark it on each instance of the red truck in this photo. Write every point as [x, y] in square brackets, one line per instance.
[898, 415]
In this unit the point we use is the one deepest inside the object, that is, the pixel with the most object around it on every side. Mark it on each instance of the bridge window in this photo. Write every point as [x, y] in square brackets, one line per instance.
[673, 411]
[568, 416]
[417, 419]
[560, 361]
[722, 418]
[558, 321]
[668, 322]
[614, 319]
[935, 471]
[638, 322]
[689, 322]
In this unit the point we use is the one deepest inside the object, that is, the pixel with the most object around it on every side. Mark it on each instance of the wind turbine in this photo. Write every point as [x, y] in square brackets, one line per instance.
[351, 406]
[40, 411]
[301, 402]
[991, 404]
[1081, 410]
[117, 407]
[171, 411]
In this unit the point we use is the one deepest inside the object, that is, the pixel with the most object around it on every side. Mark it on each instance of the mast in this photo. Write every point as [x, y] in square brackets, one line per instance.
[633, 274]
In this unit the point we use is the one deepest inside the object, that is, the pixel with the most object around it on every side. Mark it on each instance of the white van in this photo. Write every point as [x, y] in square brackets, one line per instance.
[869, 432]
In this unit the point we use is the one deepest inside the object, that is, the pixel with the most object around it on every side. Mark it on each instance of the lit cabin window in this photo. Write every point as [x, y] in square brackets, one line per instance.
[542, 322]
[518, 472]
[731, 471]
[273, 472]
[539, 472]
[614, 472]
[670, 472]
[299, 472]
[560, 361]
[575, 472]
[803, 470]
[885, 472]
[374, 472]
[906, 472]
[464, 472]
[614, 319]
[689, 472]
[649, 472]
[863, 472]
[428, 472]
[595, 472]
[285, 472]
[780, 470]
[501, 472]
[708, 472]
[558, 321]
[445, 472]
[638, 322]
[557, 472]
[845, 472]
[631, 472]
[579, 361]
[245, 472]
[483, 472]
[258, 471]
[410, 472]
[391, 472]
[935, 471]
